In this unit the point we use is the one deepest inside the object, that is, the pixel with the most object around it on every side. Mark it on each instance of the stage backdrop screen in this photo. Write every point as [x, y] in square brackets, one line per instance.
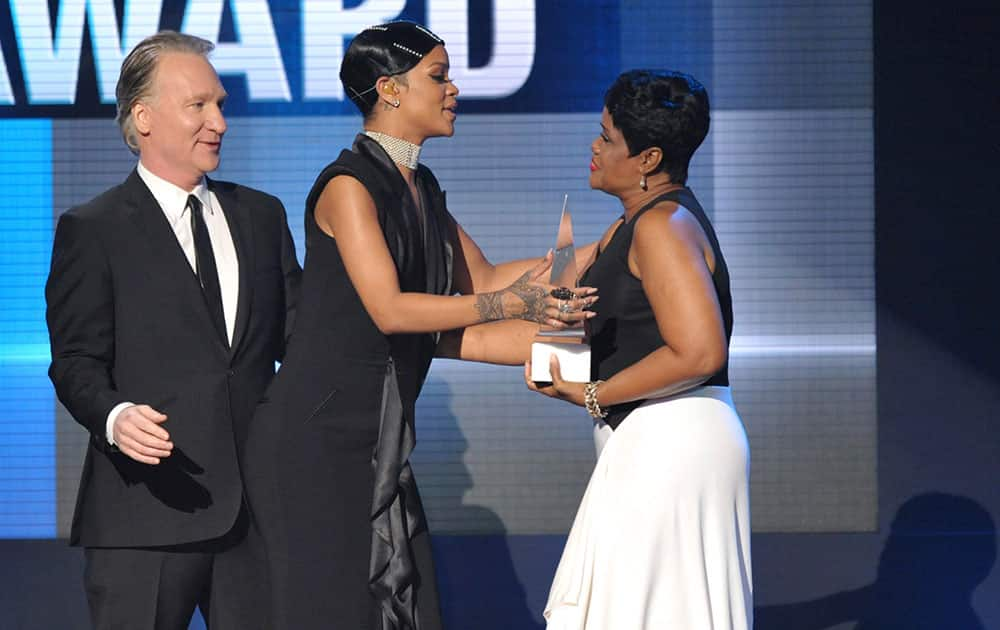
[786, 175]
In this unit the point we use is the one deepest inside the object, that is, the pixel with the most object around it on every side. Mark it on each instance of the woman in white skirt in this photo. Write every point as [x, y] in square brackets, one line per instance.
[661, 540]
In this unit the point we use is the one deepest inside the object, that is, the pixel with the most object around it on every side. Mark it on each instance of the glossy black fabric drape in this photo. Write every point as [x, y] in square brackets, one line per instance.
[396, 515]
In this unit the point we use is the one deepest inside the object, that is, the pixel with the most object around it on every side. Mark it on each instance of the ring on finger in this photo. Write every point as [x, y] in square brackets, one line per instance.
[562, 293]
[565, 307]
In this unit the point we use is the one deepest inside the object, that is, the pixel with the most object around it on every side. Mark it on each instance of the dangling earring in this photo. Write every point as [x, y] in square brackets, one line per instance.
[395, 102]
[642, 182]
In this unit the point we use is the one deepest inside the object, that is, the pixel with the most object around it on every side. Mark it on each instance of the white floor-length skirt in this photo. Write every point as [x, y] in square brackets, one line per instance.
[662, 537]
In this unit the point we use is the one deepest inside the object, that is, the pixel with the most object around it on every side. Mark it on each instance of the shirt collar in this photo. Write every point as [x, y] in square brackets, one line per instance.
[172, 198]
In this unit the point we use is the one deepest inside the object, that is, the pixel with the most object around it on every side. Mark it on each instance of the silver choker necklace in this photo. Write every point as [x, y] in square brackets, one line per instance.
[402, 152]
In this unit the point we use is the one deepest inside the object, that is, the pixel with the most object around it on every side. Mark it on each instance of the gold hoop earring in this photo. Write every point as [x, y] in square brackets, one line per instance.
[642, 182]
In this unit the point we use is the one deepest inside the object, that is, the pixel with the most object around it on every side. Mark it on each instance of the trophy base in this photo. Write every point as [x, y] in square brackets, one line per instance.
[574, 361]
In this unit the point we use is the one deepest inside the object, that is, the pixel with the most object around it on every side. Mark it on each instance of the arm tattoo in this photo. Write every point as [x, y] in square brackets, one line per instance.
[533, 298]
[489, 306]
[527, 302]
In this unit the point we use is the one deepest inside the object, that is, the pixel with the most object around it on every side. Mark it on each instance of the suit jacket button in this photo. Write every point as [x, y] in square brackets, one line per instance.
[230, 372]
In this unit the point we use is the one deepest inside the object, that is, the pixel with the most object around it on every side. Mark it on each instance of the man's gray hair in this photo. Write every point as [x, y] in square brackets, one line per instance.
[135, 82]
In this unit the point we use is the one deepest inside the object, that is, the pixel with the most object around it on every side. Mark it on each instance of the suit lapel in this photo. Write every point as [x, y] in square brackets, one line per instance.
[241, 228]
[167, 263]
[146, 214]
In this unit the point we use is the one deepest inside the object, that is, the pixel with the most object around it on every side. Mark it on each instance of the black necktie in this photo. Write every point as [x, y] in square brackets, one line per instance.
[208, 275]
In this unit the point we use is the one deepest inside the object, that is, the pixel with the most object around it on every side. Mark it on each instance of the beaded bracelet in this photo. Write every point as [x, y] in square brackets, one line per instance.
[590, 400]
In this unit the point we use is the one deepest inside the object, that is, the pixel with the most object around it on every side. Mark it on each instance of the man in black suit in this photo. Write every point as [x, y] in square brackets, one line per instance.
[169, 298]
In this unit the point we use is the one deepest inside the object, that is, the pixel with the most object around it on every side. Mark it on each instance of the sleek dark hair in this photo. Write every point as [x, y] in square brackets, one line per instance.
[666, 109]
[385, 50]
[135, 80]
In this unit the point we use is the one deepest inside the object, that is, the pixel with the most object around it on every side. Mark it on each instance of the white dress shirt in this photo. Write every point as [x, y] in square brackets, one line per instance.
[173, 203]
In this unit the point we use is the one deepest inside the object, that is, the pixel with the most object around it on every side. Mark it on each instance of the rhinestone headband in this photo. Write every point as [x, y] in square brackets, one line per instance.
[402, 152]
[408, 50]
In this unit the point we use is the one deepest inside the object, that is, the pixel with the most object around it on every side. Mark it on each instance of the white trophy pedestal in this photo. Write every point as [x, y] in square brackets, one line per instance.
[573, 356]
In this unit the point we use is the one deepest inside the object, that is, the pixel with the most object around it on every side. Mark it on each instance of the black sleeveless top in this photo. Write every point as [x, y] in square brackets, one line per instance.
[331, 314]
[624, 330]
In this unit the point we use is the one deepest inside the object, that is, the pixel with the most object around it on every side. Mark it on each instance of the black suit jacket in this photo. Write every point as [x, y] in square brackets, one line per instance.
[127, 322]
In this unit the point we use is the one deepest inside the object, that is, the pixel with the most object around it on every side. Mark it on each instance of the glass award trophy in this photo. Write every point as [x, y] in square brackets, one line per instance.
[568, 345]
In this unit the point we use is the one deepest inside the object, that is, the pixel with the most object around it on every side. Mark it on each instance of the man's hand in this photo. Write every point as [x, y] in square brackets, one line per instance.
[138, 434]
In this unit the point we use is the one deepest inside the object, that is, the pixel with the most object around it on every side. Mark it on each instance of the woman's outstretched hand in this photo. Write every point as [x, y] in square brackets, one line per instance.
[531, 298]
[563, 390]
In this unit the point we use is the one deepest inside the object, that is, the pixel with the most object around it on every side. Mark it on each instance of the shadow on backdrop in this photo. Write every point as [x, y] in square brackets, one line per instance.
[940, 548]
[478, 585]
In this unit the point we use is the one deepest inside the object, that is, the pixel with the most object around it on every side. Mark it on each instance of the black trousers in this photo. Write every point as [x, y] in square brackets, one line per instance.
[158, 588]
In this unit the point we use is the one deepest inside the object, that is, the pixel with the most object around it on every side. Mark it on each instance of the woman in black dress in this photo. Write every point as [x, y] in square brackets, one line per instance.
[329, 483]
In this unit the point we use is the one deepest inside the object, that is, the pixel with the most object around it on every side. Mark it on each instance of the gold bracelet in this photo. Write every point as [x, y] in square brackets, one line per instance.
[590, 400]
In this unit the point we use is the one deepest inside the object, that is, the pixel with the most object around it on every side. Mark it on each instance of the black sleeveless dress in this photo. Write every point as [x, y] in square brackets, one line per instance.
[329, 484]
[624, 330]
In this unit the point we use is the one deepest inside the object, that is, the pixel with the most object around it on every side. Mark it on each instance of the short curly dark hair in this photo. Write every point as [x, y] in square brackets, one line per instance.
[665, 109]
